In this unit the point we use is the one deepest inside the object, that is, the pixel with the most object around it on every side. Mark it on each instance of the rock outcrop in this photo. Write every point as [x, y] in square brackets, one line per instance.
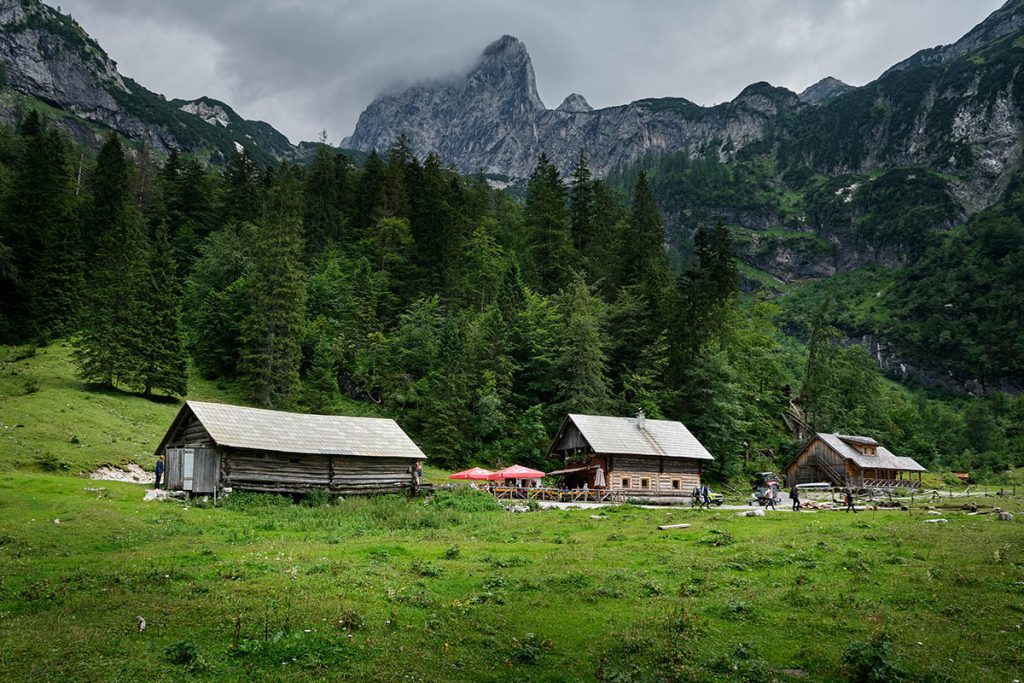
[825, 90]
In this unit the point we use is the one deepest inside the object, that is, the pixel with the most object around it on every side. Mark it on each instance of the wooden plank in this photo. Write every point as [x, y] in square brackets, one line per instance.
[674, 526]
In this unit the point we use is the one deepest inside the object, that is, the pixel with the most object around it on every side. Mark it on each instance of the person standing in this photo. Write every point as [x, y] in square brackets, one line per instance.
[769, 497]
[695, 497]
[849, 501]
[419, 472]
[159, 471]
[705, 494]
[794, 495]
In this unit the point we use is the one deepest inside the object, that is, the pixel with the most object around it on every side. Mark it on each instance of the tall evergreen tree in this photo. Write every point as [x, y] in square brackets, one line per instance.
[323, 217]
[271, 331]
[159, 359]
[582, 361]
[367, 194]
[113, 317]
[581, 204]
[551, 254]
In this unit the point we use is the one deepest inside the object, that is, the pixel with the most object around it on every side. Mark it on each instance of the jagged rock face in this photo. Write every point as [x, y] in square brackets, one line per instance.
[824, 90]
[68, 71]
[493, 120]
[213, 114]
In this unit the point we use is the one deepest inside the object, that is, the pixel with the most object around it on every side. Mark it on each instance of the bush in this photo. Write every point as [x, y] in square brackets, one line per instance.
[184, 653]
[317, 499]
[51, 463]
[871, 661]
[464, 500]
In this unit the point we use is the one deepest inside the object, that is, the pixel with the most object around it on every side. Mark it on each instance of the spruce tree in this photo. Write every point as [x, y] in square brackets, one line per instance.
[320, 393]
[272, 329]
[644, 261]
[581, 204]
[323, 219]
[582, 362]
[550, 251]
[113, 319]
[159, 360]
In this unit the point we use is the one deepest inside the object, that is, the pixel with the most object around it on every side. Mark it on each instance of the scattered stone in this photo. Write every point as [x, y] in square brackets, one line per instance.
[516, 508]
[131, 473]
[599, 516]
[751, 513]
[95, 489]
[1006, 516]
[57, 521]
[163, 494]
[142, 623]
[936, 521]
[933, 512]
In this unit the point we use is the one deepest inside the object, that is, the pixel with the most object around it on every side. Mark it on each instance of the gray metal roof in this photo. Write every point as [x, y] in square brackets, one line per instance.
[883, 459]
[622, 436]
[274, 430]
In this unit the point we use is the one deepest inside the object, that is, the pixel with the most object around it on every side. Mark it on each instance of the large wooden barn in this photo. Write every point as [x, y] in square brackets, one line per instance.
[211, 447]
[859, 462]
[636, 456]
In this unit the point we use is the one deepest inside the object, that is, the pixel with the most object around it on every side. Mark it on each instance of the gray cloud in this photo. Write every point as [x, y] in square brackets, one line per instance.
[308, 65]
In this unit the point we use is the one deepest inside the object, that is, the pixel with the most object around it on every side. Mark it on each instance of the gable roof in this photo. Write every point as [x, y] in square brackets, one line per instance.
[622, 436]
[883, 459]
[282, 432]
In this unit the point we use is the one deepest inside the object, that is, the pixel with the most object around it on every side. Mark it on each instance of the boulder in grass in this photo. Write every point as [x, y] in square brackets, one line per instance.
[751, 513]
[1006, 516]
[938, 520]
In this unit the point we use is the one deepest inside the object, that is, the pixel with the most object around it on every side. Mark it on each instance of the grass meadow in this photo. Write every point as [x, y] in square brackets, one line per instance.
[454, 588]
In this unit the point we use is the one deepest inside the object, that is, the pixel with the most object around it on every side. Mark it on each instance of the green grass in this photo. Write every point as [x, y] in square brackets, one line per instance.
[50, 418]
[451, 588]
[391, 588]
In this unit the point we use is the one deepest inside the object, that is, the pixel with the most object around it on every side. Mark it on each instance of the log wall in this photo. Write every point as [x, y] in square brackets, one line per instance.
[662, 476]
[301, 473]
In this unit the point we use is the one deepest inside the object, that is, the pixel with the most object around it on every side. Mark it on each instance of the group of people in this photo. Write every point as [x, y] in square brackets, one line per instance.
[701, 496]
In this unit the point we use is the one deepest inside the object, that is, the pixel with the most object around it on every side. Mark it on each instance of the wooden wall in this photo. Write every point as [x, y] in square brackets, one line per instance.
[803, 470]
[301, 473]
[205, 469]
[659, 473]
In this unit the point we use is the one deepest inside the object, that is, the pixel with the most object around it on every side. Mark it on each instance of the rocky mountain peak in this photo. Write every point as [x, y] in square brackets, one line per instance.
[575, 104]
[506, 69]
[824, 90]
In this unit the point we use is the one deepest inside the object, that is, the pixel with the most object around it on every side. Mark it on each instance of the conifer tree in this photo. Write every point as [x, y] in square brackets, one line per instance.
[240, 200]
[159, 359]
[367, 194]
[644, 261]
[320, 393]
[272, 329]
[550, 251]
[113, 318]
[581, 204]
[582, 363]
[323, 219]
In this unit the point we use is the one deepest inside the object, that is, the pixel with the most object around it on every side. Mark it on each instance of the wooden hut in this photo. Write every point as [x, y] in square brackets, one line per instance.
[859, 462]
[212, 447]
[635, 456]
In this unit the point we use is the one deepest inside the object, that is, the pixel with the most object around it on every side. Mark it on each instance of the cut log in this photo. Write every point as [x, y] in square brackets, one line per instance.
[673, 526]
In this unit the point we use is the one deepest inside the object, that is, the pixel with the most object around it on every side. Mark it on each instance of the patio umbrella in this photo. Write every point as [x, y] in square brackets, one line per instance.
[516, 472]
[599, 482]
[474, 473]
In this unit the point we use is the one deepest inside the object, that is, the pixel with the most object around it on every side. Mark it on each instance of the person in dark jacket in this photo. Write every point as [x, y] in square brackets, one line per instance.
[695, 497]
[849, 502]
[794, 495]
[159, 471]
[705, 494]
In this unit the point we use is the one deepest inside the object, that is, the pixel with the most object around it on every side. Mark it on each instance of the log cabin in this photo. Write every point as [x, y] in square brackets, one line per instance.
[859, 462]
[638, 457]
[213, 447]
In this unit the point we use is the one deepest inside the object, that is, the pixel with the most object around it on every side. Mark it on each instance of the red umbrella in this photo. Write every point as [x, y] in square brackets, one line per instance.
[517, 472]
[474, 473]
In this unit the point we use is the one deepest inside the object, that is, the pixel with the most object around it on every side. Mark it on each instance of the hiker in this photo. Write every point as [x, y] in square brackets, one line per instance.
[769, 498]
[419, 472]
[794, 495]
[695, 497]
[705, 492]
[849, 502]
[159, 471]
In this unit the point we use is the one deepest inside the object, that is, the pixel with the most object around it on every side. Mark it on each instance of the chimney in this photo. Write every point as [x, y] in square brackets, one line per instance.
[640, 418]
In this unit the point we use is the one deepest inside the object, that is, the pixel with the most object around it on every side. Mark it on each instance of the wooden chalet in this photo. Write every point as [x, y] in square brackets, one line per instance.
[212, 447]
[632, 456]
[859, 462]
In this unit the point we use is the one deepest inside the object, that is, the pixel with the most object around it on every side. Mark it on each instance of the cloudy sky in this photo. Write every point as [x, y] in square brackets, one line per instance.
[311, 65]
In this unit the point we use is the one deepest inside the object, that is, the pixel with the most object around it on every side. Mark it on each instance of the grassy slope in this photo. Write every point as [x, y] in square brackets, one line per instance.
[48, 415]
[612, 596]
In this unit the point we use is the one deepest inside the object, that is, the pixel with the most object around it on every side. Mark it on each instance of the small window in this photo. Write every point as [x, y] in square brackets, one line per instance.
[675, 484]
[625, 482]
[645, 483]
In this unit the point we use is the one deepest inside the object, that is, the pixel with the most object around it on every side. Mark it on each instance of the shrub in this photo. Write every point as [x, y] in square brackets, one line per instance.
[317, 499]
[184, 653]
[452, 553]
[872, 661]
[464, 500]
[528, 649]
[51, 463]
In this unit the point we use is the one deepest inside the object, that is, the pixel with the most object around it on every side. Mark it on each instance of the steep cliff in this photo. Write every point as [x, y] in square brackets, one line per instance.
[45, 55]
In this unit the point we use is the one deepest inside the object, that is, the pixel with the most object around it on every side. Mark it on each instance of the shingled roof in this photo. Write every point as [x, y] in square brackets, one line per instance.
[283, 432]
[883, 459]
[623, 436]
